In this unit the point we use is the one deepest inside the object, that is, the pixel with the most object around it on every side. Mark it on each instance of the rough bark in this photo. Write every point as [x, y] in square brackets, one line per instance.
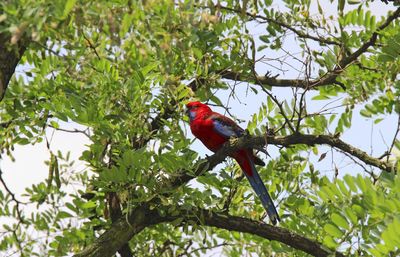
[114, 206]
[126, 227]
[10, 55]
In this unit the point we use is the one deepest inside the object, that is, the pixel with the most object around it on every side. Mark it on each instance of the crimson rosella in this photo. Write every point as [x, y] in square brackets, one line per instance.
[214, 129]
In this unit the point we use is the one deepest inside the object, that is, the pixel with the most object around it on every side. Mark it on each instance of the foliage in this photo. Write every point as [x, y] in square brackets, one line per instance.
[124, 70]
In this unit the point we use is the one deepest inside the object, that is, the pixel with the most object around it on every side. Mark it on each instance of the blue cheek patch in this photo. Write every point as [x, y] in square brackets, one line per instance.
[192, 115]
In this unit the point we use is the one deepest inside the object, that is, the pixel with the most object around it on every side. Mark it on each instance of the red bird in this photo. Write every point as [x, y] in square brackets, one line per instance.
[214, 129]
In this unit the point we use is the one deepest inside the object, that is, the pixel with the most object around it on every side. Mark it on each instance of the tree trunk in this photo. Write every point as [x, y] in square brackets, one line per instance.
[9, 58]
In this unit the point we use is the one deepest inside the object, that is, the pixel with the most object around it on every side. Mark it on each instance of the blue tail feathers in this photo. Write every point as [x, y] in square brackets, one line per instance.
[262, 192]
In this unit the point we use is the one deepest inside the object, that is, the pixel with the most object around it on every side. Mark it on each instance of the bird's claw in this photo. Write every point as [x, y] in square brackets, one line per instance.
[263, 150]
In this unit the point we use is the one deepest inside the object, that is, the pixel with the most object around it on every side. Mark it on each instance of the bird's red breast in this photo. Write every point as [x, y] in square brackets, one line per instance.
[203, 128]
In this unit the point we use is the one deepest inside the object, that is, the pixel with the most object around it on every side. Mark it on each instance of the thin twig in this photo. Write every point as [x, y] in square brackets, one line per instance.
[17, 202]
[394, 137]
[299, 33]
[210, 247]
[330, 77]
[371, 173]
[91, 45]
[71, 131]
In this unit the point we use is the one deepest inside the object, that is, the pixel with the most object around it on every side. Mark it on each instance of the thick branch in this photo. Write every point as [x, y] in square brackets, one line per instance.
[125, 228]
[121, 232]
[259, 141]
[283, 235]
[114, 206]
[327, 140]
[9, 58]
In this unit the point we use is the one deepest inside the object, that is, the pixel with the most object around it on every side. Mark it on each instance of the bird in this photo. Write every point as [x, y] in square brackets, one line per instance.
[213, 130]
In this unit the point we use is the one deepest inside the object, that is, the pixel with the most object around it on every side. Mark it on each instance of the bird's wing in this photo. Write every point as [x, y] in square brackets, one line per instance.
[225, 126]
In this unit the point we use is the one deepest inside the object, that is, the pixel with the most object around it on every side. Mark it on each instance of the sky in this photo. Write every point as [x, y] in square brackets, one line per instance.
[29, 167]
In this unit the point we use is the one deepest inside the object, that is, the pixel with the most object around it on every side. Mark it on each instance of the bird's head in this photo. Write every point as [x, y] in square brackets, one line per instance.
[194, 108]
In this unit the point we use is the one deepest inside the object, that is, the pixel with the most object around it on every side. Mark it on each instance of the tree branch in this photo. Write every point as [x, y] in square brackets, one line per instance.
[258, 141]
[371, 42]
[120, 232]
[10, 55]
[327, 140]
[245, 225]
[114, 207]
[84, 132]
[299, 33]
[13, 198]
[125, 228]
[5, 124]
[326, 79]
[265, 80]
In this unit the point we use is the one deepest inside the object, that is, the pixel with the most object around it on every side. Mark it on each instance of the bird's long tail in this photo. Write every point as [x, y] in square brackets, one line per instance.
[249, 169]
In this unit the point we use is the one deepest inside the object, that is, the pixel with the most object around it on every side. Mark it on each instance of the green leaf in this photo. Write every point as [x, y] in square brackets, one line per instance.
[343, 188]
[265, 39]
[64, 214]
[397, 144]
[321, 97]
[88, 205]
[54, 124]
[126, 23]
[333, 230]
[351, 215]
[367, 19]
[350, 181]
[353, 1]
[360, 19]
[262, 47]
[69, 4]
[329, 242]
[365, 113]
[340, 221]
[360, 181]
[359, 211]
